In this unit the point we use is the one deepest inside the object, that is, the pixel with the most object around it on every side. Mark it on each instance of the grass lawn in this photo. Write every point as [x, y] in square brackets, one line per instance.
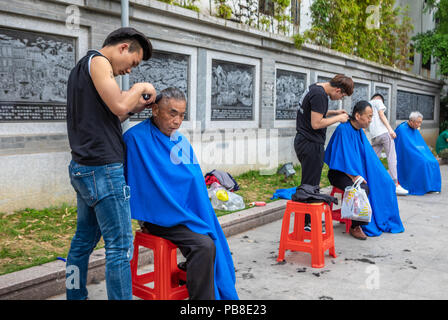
[32, 237]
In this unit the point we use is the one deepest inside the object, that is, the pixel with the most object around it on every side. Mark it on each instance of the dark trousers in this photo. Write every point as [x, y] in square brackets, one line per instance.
[199, 251]
[340, 180]
[311, 157]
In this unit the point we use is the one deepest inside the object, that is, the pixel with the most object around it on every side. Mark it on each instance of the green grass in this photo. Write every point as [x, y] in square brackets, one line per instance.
[33, 237]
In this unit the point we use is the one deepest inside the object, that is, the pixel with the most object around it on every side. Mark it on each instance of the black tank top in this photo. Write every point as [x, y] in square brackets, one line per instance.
[94, 132]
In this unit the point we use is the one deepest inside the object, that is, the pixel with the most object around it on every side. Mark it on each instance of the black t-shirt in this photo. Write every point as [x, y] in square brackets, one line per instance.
[94, 132]
[315, 100]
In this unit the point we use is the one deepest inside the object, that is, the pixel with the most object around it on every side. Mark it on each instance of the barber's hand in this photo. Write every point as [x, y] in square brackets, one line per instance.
[146, 99]
[343, 117]
[393, 135]
[150, 91]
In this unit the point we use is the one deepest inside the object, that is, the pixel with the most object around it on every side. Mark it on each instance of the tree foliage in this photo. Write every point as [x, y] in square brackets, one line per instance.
[342, 25]
[435, 42]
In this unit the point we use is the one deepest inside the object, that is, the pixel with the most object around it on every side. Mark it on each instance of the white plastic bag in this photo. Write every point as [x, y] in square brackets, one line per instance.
[222, 199]
[356, 205]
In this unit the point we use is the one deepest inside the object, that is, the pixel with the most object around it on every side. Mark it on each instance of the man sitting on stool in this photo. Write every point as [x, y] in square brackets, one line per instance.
[349, 155]
[418, 169]
[170, 197]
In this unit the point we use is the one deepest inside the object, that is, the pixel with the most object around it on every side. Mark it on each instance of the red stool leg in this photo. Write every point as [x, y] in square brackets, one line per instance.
[284, 235]
[317, 255]
[299, 219]
[134, 261]
[159, 286]
[173, 267]
[348, 224]
[329, 231]
[166, 271]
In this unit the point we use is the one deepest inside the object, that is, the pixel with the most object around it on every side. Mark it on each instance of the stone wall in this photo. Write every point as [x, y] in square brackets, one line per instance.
[263, 74]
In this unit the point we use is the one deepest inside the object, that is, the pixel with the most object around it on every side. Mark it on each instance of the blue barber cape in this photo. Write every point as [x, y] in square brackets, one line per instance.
[168, 189]
[417, 168]
[349, 151]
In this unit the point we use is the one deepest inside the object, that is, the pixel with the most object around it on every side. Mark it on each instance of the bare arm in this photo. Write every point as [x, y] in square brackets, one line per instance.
[335, 112]
[319, 122]
[119, 102]
[386, 123]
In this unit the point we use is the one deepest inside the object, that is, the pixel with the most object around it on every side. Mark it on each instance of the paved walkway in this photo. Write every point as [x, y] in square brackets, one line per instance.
[409, 265]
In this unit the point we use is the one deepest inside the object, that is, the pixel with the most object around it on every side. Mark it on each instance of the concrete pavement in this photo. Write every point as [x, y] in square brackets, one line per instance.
[409, 265]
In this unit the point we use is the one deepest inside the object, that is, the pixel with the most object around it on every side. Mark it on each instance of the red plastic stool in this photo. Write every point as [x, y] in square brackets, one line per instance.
[336, 214]
[166, 274]
[295, 241]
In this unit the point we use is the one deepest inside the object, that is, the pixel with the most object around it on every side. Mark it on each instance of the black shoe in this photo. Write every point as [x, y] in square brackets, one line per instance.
[308, 227]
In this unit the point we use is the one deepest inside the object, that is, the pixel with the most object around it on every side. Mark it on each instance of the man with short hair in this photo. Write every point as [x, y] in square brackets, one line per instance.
[383, 139]
[312, 123]
[95, 109]
[170, 197]
[418, 169]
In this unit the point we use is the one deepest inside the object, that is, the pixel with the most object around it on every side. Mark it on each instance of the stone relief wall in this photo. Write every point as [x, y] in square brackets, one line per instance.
[289, 89]
[360, 92]
[232, 91]
[34, 70]
[163, 70]
[412, 101]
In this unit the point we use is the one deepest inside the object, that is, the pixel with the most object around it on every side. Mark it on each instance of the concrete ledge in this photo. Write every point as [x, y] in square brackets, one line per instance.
[47, 280]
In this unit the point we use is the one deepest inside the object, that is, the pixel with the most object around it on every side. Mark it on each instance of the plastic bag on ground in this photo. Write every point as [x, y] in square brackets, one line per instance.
[222, 199]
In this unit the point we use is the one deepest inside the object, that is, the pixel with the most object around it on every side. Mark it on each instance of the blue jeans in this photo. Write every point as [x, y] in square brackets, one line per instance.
[103, 210]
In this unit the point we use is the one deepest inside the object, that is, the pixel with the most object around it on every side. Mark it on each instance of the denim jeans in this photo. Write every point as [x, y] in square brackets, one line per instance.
[103, 210]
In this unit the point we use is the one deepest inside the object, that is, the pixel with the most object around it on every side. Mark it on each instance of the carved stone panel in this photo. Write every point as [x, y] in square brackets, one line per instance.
[163, 70]
[360, 92]
[411, 101]
[289, 89]
[34, 70]
[232, 96]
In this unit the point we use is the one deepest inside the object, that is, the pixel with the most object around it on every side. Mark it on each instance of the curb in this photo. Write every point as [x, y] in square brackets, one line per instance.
[47, 280]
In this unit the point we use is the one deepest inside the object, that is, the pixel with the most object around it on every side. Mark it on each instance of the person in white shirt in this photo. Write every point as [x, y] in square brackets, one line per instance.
[383, 138]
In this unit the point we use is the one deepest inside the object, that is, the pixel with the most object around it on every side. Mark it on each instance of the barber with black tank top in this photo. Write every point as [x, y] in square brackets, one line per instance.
[95, 109]
[312, 123]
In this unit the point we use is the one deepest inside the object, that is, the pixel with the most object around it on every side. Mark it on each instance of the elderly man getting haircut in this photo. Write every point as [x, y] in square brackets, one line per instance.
[418, 169]
[170, 196]
[349, 155]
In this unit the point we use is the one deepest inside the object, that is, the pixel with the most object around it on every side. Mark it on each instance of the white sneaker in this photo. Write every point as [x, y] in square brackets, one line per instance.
[401, 191]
